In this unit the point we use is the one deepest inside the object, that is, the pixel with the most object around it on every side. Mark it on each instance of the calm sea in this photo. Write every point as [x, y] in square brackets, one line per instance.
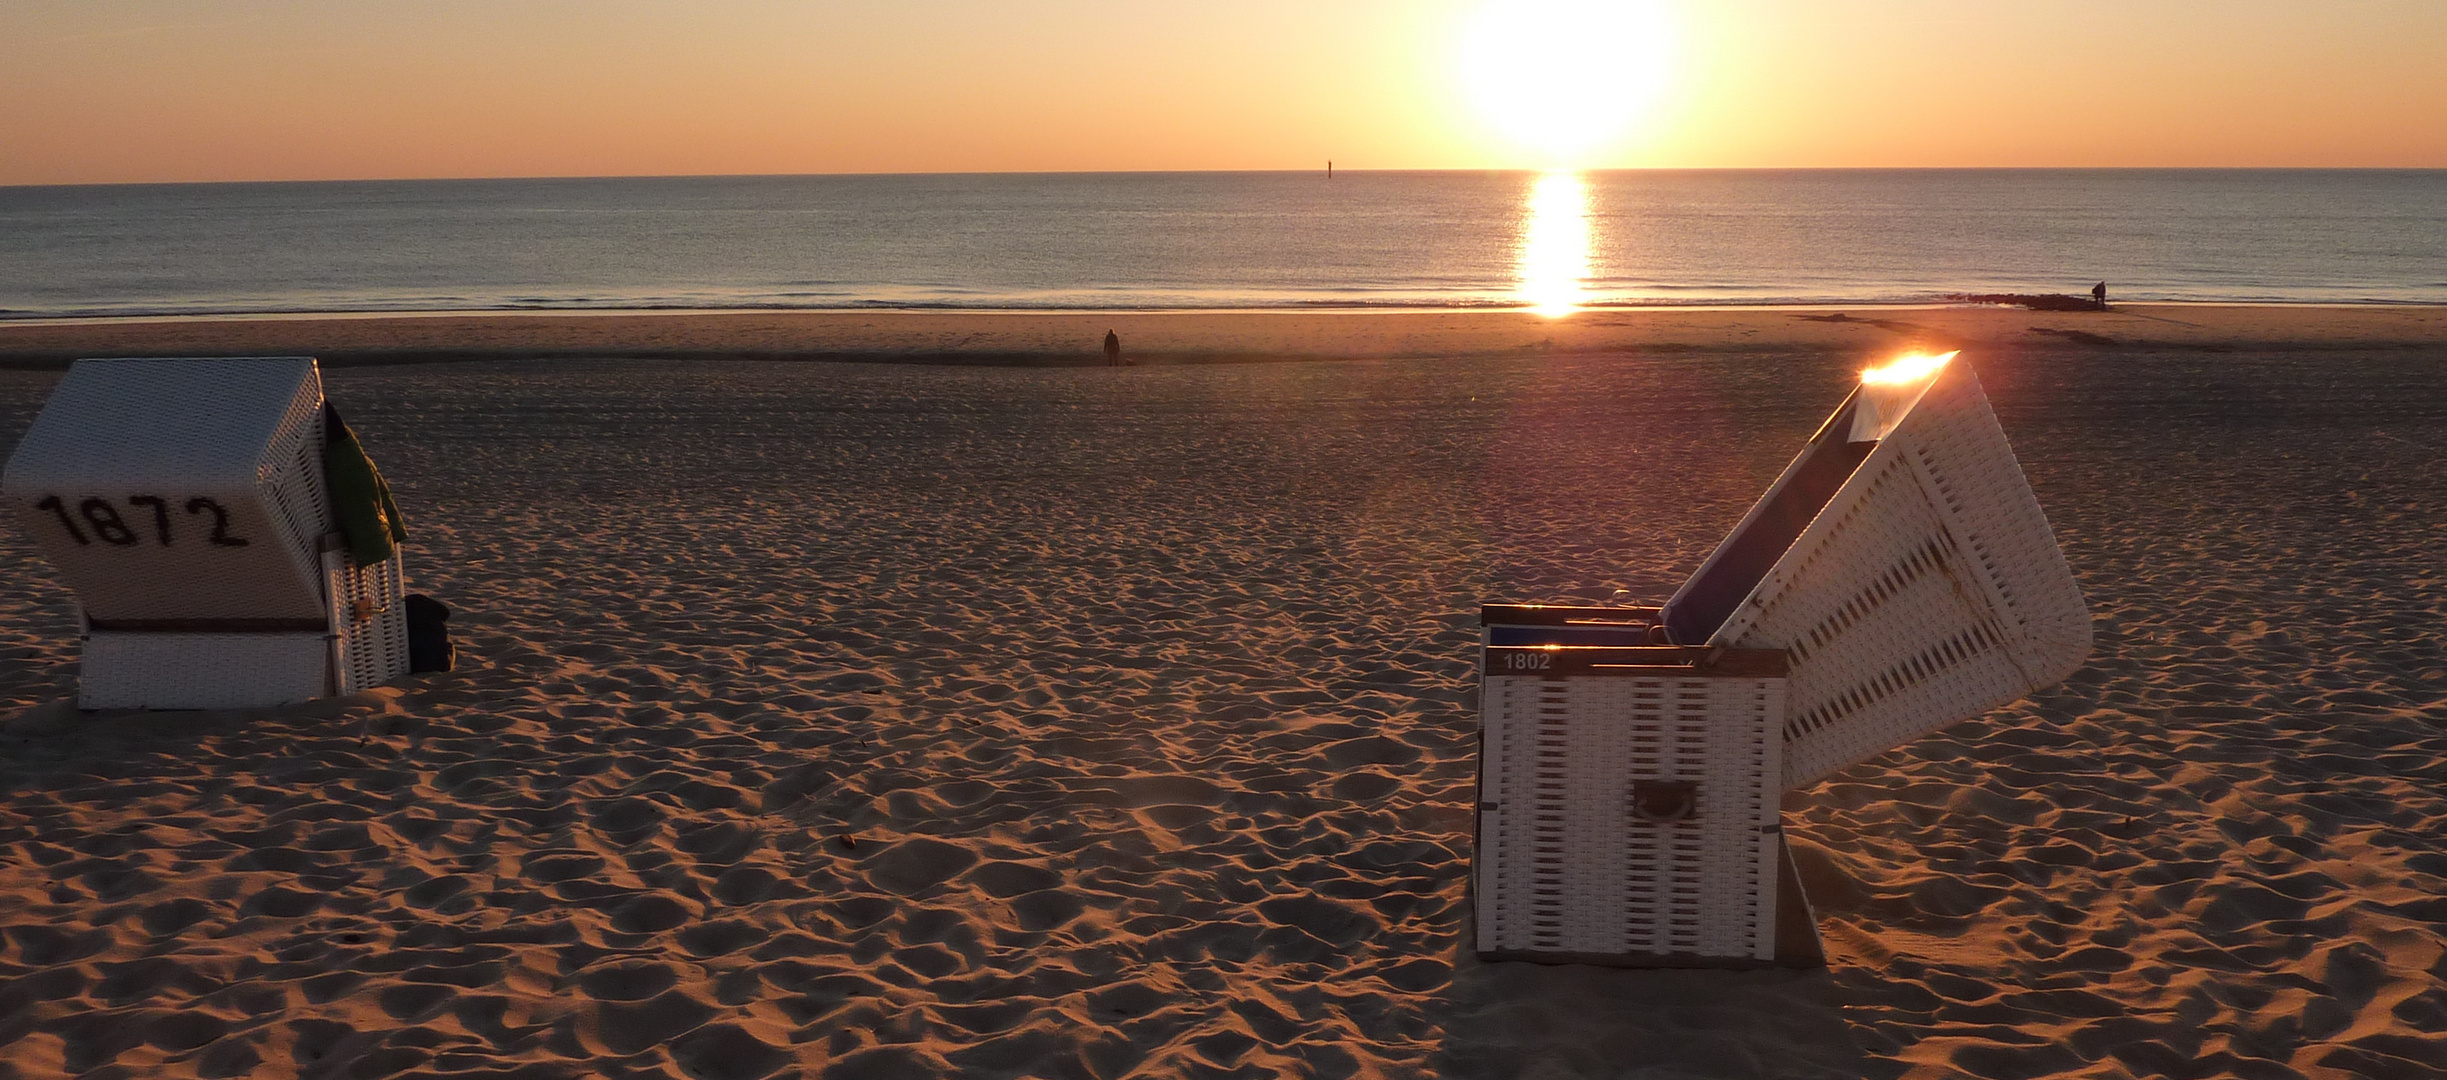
[1223, 240]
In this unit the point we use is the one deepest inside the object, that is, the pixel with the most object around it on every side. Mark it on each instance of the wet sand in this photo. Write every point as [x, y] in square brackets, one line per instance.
[1185, 337]
[912, 720]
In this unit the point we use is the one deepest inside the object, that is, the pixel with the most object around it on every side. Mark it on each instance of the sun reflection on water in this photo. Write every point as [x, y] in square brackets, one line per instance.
[1555, 244]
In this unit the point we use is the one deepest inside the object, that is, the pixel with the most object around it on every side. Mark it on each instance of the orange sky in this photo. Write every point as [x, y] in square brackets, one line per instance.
[149, 90]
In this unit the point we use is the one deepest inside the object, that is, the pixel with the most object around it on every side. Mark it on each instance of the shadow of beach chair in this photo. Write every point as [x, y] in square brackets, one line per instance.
[186, 503]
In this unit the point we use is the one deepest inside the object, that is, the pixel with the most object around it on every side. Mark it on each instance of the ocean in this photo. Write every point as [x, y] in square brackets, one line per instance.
[1141, 241]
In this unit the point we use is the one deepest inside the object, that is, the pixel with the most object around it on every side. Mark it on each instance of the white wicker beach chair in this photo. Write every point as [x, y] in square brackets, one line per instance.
[1897, 578]
[183, 501]
[1903, 563]
[1628, 803]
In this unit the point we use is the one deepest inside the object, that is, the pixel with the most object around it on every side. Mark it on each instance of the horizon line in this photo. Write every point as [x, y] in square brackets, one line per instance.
[1338, 171]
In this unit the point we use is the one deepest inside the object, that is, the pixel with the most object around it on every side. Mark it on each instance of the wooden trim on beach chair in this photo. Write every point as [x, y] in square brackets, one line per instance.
[1565, 615]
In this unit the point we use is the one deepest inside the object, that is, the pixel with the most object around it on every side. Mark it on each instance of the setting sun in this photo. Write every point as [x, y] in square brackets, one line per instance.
[1564, 79]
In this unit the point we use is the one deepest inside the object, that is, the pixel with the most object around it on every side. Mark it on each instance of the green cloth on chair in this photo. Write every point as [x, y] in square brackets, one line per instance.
[360, 500]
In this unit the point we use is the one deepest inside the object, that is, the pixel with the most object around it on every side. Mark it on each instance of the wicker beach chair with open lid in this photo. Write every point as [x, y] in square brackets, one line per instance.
[1898, 577]
[184, 501]
[1905, 567]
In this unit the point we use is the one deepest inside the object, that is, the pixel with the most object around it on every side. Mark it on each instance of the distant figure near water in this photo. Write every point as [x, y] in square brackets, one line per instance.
[2098, 295]
[1113, 349]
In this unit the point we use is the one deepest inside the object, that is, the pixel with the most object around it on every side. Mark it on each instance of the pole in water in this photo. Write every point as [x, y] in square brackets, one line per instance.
[1329, 168]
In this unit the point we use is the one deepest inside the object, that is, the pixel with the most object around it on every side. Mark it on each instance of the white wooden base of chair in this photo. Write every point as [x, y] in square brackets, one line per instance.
[1628, 806]
[131, 670]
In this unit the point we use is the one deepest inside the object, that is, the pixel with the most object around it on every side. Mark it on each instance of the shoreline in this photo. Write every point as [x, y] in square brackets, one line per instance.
[296, 314]
[1054, 339]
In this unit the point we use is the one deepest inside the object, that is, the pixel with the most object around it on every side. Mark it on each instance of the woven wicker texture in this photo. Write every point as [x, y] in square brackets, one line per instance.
[369, 613]
[178, 489]
[190, 491]
[1564, 865]
[202, 671]
[1928, 590]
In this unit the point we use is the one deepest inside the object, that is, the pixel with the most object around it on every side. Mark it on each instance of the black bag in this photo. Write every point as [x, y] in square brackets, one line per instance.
[428, 634]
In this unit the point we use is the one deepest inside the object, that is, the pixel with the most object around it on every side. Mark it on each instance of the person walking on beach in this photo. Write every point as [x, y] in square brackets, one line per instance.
[2098, 295]
[1113, 349]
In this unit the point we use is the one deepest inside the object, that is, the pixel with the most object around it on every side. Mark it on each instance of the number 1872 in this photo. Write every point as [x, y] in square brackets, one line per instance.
[101, 518]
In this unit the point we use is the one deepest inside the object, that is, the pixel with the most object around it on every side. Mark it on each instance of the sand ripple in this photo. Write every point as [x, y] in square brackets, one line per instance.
[879, 722]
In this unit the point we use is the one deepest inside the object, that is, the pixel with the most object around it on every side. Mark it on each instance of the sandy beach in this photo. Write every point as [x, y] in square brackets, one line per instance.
[1055, 339]
[996, 715]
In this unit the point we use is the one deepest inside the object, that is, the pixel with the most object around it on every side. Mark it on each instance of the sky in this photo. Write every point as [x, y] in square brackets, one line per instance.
[115, 91]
